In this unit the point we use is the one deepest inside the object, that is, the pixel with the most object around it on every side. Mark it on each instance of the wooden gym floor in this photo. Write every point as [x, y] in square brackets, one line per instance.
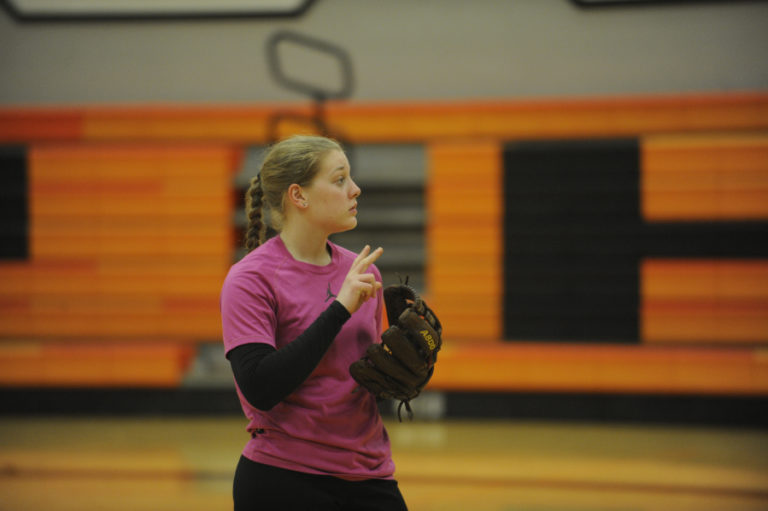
[129, 463]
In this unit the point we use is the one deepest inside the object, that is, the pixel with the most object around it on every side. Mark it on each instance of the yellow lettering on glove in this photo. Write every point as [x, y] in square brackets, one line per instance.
[428, 338]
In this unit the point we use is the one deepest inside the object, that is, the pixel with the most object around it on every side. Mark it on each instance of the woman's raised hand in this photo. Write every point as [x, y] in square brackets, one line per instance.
[359, 285]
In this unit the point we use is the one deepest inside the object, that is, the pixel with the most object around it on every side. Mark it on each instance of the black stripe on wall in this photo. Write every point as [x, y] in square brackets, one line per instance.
[728, 240]
[14, 210]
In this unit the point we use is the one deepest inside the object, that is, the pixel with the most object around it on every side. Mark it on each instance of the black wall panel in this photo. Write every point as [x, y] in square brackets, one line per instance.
[574, 239]
[14, 211]
[571, 217]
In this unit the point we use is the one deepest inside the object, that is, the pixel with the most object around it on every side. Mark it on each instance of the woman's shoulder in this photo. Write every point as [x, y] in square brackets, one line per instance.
[258, 263]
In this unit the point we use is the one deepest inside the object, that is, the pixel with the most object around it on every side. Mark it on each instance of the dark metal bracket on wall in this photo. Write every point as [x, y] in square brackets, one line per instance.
[318, 93]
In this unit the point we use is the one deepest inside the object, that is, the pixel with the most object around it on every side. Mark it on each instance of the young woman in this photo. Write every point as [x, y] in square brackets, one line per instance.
[297, 310]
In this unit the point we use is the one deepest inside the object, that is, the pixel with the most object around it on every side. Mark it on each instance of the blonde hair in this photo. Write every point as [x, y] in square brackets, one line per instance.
[293, 160]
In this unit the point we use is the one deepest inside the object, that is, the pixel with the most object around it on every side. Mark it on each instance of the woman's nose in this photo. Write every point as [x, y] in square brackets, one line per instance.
[356, 191]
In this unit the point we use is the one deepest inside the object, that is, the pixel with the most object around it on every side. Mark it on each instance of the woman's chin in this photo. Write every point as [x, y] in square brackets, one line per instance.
[348, 225]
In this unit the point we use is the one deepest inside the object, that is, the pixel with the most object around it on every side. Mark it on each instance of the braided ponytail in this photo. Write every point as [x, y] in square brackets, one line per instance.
[254, 235]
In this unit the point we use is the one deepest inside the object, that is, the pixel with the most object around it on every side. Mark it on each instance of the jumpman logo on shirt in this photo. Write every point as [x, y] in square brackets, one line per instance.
[330, 295]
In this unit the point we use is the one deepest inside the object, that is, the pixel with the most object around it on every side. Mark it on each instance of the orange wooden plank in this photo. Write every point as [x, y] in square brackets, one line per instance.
[704, 301]
[179, 265]
[600, 368]
[400, 121]
[81, 246]
[193, 265]
[95, 364]
[92, 284]
[705, 177]
[40, 124]
[699, 278]
[190, 325]
[412, 121]
[237, 123]
[547, 118]
[149, 189]
[706, 205]
[735, 151]
[167, 162]
[65, 225]
[450, 282]
[116, 206]
[113, 304]
[704, 324]
[468, 206]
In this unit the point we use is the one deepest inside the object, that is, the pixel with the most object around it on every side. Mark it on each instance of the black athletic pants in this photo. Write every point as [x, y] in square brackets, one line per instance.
[265, 488]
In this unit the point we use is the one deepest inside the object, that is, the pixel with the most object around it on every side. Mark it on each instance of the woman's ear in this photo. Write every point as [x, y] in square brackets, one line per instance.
[296, 196]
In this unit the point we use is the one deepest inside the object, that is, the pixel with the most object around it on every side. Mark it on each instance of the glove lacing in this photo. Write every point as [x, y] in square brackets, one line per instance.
[407, 403]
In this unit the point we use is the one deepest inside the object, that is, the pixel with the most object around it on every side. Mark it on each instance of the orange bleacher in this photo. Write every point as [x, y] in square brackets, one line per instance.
[131, 222]
[464, 269]
[699, 177]
[128, 244]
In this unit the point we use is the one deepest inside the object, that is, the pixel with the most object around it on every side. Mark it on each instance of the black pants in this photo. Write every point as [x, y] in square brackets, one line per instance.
[264, 488]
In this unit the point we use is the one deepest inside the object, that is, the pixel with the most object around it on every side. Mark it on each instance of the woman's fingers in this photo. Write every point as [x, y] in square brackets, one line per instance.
[374, 256]
[360, 286]
[365, 258]
[366, 277]
[360, 256]
[368, 290]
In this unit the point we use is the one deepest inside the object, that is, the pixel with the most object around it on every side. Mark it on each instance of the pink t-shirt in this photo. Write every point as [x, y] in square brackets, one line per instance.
[323, 427]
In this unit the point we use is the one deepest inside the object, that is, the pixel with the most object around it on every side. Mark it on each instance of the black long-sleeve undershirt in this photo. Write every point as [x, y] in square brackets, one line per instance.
[266, 375]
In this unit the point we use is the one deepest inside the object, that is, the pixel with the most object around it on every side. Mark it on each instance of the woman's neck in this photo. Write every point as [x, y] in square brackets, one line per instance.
[308, 247]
